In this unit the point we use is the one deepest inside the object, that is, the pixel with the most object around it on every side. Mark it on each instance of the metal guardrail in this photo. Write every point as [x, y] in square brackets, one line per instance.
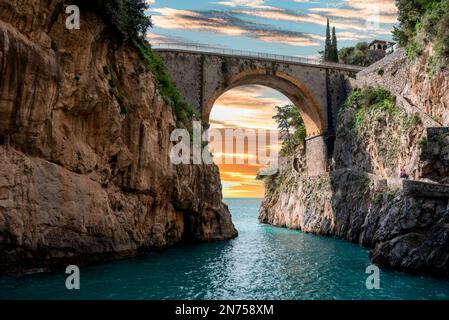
[251, 54]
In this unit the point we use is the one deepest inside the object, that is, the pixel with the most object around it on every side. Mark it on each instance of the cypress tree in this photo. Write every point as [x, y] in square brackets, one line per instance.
[334, 46]
[328, 43]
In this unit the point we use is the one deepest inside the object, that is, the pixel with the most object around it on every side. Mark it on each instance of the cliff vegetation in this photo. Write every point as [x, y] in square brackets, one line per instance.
[359, 55]
[424, 22]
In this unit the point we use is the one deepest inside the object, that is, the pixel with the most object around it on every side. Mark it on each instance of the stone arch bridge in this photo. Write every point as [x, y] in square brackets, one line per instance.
[203, 74]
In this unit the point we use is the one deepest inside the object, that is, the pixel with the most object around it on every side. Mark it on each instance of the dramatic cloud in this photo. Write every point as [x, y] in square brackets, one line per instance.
[343, 19]
[229, 24]
[253, 4]
[247, 107]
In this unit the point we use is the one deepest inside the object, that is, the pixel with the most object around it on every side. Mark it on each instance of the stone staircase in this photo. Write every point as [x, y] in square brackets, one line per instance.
[411, 188]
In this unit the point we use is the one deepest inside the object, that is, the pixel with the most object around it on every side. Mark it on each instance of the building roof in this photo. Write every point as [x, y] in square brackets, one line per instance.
[381, 41]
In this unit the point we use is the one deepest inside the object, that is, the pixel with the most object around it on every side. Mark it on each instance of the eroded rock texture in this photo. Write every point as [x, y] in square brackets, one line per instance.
[85, 173]
[404, 232]
[405, 223]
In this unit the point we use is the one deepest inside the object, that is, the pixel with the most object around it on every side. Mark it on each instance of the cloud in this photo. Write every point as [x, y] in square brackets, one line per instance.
[247, 107]
[358, 15]
[227, 185]
[228, 23]
[344, 19]
[365, 13]
[382, 6]
[254, 4]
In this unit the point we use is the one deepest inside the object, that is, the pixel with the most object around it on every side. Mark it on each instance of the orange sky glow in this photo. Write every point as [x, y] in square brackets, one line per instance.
[246, 107]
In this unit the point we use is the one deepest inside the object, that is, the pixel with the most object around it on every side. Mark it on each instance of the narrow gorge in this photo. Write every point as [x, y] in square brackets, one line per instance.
[86, 118]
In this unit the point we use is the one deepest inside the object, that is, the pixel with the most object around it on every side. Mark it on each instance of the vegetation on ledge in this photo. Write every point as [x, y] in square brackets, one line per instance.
[359, 55]
[183, 112]
[371, 117]
[291, 127]
[424, 22]
[126, 17]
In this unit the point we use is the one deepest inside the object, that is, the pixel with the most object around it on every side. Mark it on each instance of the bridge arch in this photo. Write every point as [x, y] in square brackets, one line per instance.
[316, 88]
[296, 91]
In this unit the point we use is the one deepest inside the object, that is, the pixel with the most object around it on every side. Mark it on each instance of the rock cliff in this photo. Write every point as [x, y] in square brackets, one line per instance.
[85, 172]
[411, 79]
[404, 222]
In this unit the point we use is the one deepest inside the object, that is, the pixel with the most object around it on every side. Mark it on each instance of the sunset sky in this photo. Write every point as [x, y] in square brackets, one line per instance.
[287, 27]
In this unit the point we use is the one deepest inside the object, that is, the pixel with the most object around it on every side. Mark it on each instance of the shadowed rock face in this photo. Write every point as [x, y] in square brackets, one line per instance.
[405, 223]
[404, 232]
[84, 147]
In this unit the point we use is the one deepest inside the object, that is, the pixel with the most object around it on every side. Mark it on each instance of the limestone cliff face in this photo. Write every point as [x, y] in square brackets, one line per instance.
[84, 148]
[405, 223]
[405, 231]
[428, 92]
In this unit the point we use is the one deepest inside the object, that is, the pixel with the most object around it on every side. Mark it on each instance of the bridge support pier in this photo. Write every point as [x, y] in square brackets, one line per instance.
[316, 155]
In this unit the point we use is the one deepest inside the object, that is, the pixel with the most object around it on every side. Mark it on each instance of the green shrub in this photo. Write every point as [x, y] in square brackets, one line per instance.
[413, 50]
[410, 121]
[126, 17]
[182, 111]
[353, 98]
[288, 120]
[423, 143]
[381, 197]
[359, 55]
[421, 22]
[370, 99]
[360, 116]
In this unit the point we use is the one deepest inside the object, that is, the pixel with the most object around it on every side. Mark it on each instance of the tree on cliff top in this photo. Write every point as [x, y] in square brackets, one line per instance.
[327, 43]
[424, 22]
[359, 55]
[126, 17]
[291, 127]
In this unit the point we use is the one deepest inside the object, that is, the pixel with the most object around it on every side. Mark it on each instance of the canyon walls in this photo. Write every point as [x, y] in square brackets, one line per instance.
[84, 147]
[362, 199]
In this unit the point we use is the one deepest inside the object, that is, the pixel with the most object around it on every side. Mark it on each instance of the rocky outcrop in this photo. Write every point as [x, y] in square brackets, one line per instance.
[405, 223]
[405, 232]
[84, 147]
[379, 141]
[411, 79]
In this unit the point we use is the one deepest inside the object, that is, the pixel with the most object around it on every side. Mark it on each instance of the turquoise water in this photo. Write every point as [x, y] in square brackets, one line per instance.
[262, 263]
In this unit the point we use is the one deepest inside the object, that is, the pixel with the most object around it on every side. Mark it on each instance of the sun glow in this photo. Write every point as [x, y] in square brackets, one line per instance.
[246, 107]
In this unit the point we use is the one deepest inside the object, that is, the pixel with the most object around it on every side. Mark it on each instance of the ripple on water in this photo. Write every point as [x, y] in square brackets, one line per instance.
[262, 263]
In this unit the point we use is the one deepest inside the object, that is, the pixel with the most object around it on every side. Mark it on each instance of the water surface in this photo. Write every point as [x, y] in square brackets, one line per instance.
[262, 263]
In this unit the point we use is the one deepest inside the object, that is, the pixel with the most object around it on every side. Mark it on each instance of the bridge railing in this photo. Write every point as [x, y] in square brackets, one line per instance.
[251, 54]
